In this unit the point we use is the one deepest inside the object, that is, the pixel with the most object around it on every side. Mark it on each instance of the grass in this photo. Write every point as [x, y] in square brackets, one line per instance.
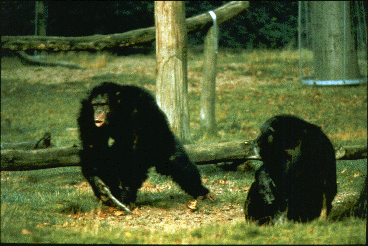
[57, 205]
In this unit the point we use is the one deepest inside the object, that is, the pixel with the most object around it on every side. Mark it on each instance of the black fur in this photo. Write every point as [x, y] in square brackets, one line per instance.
[141, 139]
[299, 169]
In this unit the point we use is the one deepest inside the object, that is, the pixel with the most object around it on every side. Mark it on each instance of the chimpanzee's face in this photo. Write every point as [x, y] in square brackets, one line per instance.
[101, 109]
[265, 142]
[277, 138]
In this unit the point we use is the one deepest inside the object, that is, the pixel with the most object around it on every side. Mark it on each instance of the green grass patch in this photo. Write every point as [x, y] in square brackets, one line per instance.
[58, 206]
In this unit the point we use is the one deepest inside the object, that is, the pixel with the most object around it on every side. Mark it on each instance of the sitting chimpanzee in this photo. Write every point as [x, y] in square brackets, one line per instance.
[124, 133]
[297, 180]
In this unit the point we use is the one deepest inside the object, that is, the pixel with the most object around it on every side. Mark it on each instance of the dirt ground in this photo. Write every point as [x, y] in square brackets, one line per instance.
[163, 214]
[169, 216]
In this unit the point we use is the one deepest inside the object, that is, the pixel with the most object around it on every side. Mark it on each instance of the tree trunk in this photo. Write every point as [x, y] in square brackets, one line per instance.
[40, 19]
[40, 22]
[21, 160]
[208, 92]
[171, 58]
[99, 42]
[335, 56]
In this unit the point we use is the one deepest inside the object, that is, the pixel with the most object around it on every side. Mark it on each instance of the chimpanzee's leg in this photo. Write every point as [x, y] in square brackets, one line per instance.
[262, 200]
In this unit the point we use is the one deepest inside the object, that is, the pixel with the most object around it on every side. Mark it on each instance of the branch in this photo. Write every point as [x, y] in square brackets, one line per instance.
[21, 160]
[107, 191]
[99, 42]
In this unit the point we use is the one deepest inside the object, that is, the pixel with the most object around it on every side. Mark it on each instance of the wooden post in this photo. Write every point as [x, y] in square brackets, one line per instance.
[208, 93]
[171, 57]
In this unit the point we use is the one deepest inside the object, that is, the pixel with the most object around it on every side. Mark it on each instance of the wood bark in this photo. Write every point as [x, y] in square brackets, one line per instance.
[171, 63]
[21, 160]
[99, 42]
[42, 143]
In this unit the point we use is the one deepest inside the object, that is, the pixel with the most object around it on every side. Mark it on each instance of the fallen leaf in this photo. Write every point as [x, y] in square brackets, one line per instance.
[343, 170]
[192, 205]
[356, 175]
[136, 212]
[205, 180]
[26, 232]
[66, 224]
[77, 215]
[273, 239]
[40, 225]
[289, 231]
[118, 213]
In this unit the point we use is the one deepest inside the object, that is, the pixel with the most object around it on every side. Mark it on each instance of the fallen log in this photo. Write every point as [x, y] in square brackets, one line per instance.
[99, 42]
[21, 160]
[351, 152]
[39, 61]
[43, 143]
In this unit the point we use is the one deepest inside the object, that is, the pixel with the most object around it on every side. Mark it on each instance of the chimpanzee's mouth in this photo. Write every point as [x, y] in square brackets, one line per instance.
[98, 123]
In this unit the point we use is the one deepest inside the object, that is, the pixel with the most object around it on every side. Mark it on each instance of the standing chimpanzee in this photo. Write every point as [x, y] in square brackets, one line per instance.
[124, 133]
[297, 180]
